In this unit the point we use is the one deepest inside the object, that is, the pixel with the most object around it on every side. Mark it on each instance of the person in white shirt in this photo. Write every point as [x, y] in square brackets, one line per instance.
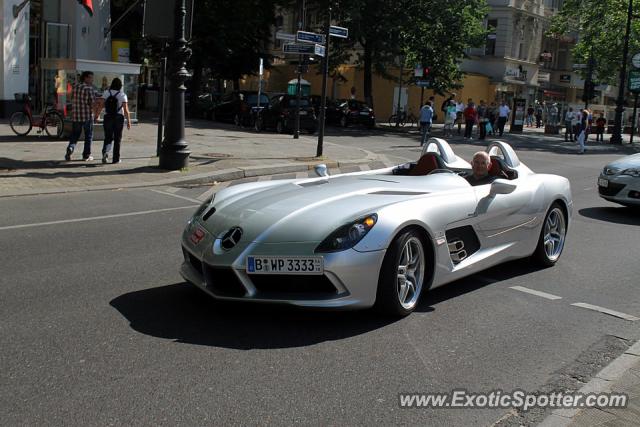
[568, 124]
[503, 116]
[115, 103]
[459, 117]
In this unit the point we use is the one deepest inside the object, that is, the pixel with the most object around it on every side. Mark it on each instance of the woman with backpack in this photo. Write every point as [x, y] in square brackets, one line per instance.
[115, 110]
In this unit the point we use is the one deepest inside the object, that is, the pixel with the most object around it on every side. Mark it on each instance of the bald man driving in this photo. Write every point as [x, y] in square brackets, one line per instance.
[480, 166]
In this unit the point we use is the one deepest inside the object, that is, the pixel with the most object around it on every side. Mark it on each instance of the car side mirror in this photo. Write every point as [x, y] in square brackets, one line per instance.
[502, 186]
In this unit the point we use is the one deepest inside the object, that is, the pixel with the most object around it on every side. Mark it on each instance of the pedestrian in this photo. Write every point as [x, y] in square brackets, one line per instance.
[582, 130]
[459, 115]
[445, 105]
[450, 118]
[568, 124]
[589, 124]
[83, 103]
[538, 115]
[493, 118]
[503, 116]
[483, 119]
[554, 114]
[426, 119]
[530, 112]
[115, 104]
[601, 122]
[470, 118]
[432, 100]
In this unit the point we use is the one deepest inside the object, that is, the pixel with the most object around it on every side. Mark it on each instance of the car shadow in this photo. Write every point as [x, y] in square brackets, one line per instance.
[185, 314]
[617, 215]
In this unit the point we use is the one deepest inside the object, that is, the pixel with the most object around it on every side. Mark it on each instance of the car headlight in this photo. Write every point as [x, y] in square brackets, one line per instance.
[632, 172]
[348, 235]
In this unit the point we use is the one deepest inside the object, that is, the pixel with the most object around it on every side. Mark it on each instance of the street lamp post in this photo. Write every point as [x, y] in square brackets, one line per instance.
[616, 136]
[173, 153]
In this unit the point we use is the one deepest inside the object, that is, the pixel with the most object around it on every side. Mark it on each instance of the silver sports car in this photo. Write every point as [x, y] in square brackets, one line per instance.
[619, 181]
[376, 238]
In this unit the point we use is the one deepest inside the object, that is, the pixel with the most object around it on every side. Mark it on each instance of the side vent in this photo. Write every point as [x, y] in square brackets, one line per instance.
[462, 243]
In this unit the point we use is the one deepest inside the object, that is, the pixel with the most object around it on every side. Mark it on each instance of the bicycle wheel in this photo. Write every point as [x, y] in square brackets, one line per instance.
[54, 125]
[392, 119]
[20, 123]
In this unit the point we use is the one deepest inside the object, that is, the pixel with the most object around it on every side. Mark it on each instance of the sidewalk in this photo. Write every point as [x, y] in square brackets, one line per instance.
[33, 165]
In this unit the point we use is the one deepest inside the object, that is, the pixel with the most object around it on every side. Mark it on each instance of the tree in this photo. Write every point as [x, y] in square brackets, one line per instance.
[599, 26]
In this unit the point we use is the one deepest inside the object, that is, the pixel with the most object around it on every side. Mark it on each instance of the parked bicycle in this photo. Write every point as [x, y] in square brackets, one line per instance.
[403, 118]
[22, 122]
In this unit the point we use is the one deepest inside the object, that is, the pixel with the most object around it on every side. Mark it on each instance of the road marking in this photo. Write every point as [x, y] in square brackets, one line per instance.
[172, 190]
[95, 218]
[606, 311]
[534, 292]
[214, 189]
[189, 199]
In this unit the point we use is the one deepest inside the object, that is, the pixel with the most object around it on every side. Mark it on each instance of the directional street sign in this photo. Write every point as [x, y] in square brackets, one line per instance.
[285, 36]
[579, 66]
[306, 37]
[299, 48]
[634, 81]
[423, 83]
[319, 50]
[341, 32]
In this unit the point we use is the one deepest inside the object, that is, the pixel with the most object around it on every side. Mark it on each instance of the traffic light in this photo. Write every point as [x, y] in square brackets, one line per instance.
[425, 72]
[589, 91]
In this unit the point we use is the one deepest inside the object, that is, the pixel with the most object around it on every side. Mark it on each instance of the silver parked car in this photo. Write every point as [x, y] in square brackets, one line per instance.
[619, 181]
[376, 238]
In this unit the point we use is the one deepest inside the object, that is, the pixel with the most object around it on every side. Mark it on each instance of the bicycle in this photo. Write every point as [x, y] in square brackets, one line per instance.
[22, 122]
[404, 119]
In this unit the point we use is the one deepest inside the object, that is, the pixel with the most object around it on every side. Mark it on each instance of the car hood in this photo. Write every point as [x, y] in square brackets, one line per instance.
[632, 161]
[308, 210]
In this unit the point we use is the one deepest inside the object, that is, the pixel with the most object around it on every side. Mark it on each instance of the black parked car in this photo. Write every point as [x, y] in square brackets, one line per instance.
[235, 107]
[345, 112]
[281, 114]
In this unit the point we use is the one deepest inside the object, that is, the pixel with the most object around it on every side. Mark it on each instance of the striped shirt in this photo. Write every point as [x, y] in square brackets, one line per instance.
[83, 98]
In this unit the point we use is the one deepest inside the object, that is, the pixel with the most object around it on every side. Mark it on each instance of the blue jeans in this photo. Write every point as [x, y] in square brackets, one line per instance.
[113, 134]
[425, 130]
[76, 130]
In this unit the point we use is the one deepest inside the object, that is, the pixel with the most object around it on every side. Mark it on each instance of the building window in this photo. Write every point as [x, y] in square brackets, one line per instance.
[490, 46]
[58, 40]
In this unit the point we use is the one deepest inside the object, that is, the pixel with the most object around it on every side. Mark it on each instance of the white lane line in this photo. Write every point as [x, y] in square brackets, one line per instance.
[590, 188]
[189, 199]
[214, 189]
[607, 311]
[95, 218]
[171, 190]
[534, 292]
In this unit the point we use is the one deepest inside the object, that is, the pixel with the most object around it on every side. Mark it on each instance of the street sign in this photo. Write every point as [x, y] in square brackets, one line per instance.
[306, 37]
[299, 48]
[341, 32]
[319, 50]
[418, 71]
[423, 83]
[635, 60]
[280, 35]
[634, 81]
[579, 66]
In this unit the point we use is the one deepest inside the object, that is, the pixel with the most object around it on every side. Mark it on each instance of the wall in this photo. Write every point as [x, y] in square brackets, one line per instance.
[15, 55]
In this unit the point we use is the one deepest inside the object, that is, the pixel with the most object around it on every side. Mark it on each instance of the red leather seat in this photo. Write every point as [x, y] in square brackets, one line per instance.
[427, 163]
[498, 168]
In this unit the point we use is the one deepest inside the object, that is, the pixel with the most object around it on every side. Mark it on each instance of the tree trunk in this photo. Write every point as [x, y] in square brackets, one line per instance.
[368, 75]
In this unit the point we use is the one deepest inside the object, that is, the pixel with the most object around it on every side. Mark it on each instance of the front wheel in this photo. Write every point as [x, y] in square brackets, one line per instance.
[344, 122]
[402, 275]
[54, 125]
[552, 236]
[20, 123]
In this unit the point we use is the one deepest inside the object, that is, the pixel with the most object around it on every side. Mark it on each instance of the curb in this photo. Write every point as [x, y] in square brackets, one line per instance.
[601, 383]
[205, 178]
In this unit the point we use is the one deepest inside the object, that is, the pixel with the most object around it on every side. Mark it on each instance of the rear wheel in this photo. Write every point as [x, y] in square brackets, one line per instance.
[237, 120]
[344, 122]
[402, 275]
[54, 125]
[280, 127]
[20, 123]
[552, 236]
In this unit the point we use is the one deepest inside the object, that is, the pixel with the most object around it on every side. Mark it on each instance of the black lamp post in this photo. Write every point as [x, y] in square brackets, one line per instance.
[616, 136]
[173, 153]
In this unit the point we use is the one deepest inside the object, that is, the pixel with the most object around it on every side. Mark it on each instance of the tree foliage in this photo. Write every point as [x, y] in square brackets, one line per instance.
[599, 27]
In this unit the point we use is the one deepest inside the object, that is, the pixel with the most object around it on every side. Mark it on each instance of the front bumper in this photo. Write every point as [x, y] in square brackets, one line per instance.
[623, 189]
[350, 278]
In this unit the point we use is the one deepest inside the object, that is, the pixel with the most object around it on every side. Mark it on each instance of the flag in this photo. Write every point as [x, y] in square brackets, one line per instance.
[88, 5]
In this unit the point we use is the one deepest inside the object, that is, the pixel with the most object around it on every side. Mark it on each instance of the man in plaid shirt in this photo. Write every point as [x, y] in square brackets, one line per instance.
[82, 116]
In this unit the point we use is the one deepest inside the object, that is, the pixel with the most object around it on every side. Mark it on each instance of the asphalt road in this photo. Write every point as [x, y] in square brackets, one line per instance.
[97, 326]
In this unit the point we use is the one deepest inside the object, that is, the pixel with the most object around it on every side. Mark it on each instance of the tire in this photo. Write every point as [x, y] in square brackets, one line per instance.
[20, 123]
[552, 236]
[311, 131]
[393, 297]
[54, 126]
[258, 124]
[344, 122]
[237, 120]
[279, 126]
[392, 119]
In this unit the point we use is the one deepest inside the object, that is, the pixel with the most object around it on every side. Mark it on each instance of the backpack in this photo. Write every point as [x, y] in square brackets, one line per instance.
[111, 104]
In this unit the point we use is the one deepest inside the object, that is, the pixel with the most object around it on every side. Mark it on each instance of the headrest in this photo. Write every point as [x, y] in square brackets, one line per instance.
[428, 162]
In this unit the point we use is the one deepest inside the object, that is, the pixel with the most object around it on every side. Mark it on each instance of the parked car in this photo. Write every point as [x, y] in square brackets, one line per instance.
[280, 114]
[235, 107]
[205, 104]
[345, 112]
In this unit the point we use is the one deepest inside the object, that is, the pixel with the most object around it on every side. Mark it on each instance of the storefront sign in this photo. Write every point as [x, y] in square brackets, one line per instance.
[565, 78]
[544, 77]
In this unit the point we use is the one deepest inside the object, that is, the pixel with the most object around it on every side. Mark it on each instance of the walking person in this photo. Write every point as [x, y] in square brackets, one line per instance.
[483, 119]
[470, 118]
[568, 124]
[450, 118]
[582, 130]
[116, 108]
[530, 112]
[493, 118]
[601, 122]
[503, 116]
[83, 103]
[538, 115]
[426, 119]
[459, 115]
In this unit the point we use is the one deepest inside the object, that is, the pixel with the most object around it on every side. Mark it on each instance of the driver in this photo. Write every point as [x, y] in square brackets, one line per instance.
[480, 166]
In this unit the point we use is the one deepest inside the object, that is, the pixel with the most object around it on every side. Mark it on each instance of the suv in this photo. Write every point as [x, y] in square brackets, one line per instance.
[236, 107]
[281, 114]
